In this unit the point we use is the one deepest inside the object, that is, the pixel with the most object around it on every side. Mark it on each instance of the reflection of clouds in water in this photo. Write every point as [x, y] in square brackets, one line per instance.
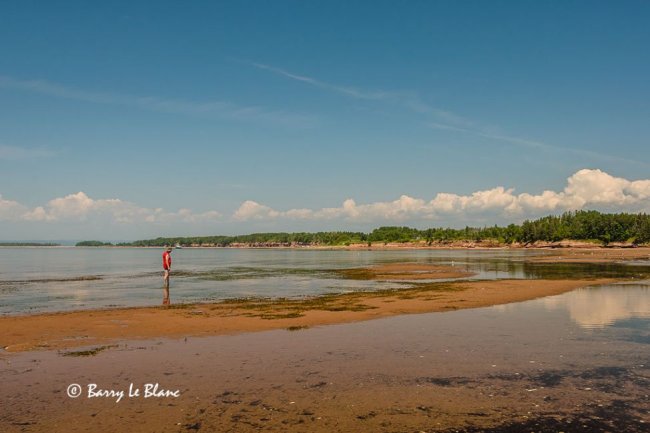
[599, 307]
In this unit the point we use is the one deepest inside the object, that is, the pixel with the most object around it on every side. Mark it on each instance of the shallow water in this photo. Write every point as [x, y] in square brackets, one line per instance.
[60, 279]
[575, 362]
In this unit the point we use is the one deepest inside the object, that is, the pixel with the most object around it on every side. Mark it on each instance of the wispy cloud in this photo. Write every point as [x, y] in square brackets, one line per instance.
[348, 91]
[13, 153]
[220, 109]
[408, 100]
[533, 144]
[442, 119]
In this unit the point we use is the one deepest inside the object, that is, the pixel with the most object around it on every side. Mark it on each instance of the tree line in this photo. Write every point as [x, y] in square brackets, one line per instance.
[93, 244]
[577, 225]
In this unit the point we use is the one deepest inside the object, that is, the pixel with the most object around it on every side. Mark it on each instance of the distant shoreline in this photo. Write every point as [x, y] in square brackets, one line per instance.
[404, 246]
[572, 250]
[571, 228]
[29, 244]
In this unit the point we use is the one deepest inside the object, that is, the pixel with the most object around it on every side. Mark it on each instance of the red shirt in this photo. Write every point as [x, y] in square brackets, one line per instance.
[167, 260]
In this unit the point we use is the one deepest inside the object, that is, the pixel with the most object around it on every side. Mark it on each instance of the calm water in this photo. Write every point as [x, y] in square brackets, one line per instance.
[59, 279]
[577, 362]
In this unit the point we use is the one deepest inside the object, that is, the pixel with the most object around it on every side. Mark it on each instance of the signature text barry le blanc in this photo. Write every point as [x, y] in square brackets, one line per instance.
[148, 390]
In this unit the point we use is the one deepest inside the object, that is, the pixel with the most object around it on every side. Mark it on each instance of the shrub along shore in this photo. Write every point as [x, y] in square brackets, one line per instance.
[590, 226]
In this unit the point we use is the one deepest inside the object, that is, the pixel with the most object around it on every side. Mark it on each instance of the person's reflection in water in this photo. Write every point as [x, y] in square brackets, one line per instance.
[166, 293]
[167, 269]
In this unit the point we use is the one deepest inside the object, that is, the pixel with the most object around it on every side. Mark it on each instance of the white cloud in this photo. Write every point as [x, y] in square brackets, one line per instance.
[585, 189]
[595, 186]
[250, 210]
[80, 207]
[10, 210]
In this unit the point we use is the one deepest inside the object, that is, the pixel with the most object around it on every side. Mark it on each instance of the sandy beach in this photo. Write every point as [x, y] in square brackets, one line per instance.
[105, 326]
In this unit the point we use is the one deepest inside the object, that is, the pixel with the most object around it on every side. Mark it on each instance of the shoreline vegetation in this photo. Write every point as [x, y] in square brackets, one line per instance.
[571, 229]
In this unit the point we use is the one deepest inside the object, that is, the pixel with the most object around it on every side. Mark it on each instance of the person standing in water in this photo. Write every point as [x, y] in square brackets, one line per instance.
[167, 268]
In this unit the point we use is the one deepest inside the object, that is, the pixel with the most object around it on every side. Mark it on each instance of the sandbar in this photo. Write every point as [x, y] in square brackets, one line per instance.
[67, 330]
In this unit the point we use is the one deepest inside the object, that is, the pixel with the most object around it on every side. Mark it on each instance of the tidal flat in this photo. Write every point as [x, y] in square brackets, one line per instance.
[507, 343]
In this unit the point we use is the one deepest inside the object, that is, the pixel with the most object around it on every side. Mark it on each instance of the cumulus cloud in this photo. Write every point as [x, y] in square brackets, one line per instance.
[585, 189]
[10, 210]
[250, 210]
[80, 207]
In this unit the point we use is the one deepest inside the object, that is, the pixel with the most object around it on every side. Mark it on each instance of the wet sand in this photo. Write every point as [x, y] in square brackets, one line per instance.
[466, 370]
[551, 253]
[461, 371]
[80, 328]
[592, 255]
[406, 272]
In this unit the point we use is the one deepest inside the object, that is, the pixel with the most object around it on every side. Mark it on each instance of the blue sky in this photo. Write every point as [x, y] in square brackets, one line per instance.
[232, 117]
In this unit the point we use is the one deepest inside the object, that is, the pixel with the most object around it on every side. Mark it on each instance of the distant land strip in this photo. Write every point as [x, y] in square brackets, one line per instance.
[592, 227]
[29, 244]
